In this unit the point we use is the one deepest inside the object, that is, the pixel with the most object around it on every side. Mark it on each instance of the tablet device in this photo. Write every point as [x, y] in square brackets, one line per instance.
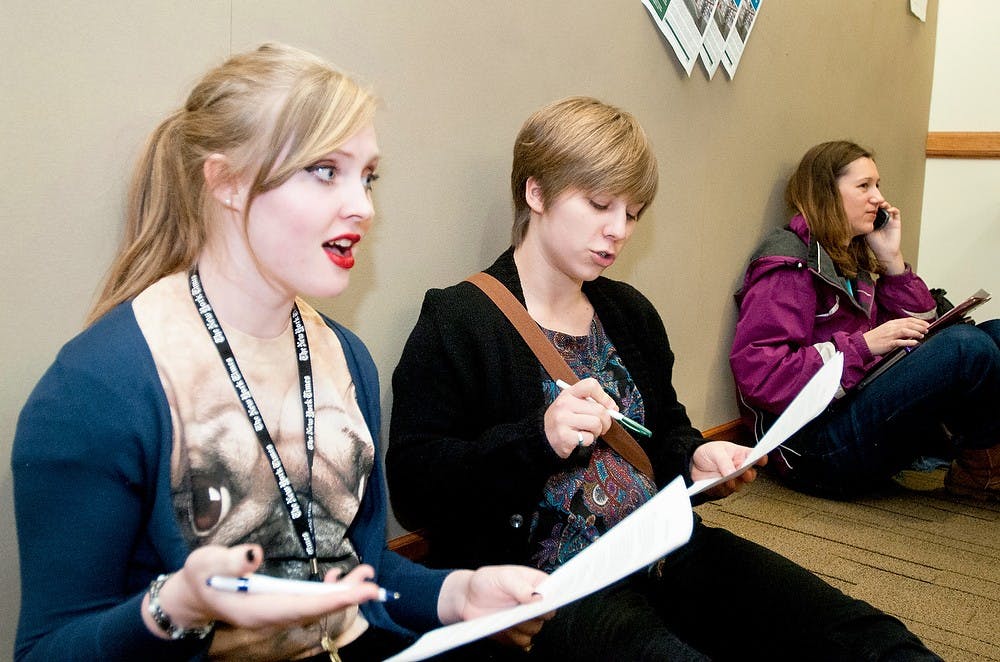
[953, 316]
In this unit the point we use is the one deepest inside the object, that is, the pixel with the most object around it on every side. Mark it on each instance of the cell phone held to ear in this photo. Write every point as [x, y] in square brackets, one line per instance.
[881, 218]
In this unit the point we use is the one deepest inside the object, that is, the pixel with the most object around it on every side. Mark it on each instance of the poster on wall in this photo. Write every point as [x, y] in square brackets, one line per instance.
[683, 24]
[713, 48]
[736, 43]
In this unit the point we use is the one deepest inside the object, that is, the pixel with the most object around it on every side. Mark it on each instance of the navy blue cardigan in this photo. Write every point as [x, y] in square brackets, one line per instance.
[95, 520]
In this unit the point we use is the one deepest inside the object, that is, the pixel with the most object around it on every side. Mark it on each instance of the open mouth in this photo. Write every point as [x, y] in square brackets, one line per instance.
[604, 258]
[341, 250]
[340, 246]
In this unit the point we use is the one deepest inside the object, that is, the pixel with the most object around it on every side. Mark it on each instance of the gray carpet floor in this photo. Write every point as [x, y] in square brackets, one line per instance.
[928, 558]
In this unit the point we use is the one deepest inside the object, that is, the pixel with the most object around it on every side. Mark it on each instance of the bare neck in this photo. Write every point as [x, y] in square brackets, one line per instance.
[554, 299]
[242, 297]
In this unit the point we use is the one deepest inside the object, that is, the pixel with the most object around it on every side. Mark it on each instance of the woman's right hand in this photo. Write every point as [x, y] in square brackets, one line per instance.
[189, 602]
[901, 332]
[468, 594]
[578, 416]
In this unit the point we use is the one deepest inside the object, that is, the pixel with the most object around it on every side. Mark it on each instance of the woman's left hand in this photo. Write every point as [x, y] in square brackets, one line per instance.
[469, 594]
[885, 242]
[715, 459]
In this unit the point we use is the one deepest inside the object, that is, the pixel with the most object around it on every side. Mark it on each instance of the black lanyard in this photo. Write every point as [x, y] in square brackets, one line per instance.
[302, 519]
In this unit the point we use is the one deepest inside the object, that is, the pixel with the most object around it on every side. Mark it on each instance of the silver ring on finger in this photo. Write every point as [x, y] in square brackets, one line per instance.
[579, 439]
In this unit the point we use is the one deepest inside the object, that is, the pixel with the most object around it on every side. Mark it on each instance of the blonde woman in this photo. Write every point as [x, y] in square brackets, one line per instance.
[210, 423]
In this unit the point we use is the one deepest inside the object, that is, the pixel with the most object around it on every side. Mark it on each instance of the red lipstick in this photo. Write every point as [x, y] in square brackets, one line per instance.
[340, 250]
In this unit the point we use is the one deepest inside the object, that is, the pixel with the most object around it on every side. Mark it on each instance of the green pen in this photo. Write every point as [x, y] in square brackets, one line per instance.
[618, 416]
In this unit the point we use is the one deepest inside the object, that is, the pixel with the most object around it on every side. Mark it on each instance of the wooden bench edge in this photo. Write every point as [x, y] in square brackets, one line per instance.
[413, 545]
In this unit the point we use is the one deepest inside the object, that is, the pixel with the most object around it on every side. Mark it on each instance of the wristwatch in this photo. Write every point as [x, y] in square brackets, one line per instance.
[163, 621]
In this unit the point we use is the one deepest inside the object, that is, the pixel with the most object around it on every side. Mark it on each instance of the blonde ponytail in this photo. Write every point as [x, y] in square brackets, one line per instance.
[270, 112]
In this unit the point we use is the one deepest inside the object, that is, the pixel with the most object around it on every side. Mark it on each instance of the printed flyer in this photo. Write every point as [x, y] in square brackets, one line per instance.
[683, 24]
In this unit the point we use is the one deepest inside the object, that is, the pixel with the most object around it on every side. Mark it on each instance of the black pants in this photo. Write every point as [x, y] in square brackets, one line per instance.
[376, 644]
[725, 598]
[719, 597]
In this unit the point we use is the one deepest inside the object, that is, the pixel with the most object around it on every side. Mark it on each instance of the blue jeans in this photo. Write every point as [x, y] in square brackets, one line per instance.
[951, 380]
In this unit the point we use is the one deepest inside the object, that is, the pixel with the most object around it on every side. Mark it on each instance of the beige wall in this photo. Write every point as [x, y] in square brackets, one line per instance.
[960, 232]
[84, 82]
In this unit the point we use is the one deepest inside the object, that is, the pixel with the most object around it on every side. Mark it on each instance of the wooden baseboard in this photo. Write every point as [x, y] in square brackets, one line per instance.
[414, 545]
[963, 145]
[734, 431]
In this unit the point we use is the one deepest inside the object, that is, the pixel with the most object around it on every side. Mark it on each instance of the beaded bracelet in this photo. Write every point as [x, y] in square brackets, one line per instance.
[163, 621]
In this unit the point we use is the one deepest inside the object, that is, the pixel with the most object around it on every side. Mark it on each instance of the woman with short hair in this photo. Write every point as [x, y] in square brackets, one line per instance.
[501, 465]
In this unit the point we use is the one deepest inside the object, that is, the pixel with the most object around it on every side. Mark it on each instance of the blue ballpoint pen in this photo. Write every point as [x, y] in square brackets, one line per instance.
[617, 415]
[276, 585]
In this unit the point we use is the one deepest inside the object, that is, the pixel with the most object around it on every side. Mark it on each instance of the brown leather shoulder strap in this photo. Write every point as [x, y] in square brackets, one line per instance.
[555, 365]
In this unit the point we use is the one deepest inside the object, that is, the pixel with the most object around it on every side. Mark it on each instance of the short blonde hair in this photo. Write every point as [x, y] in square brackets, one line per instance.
[581, 143]
[271, 112]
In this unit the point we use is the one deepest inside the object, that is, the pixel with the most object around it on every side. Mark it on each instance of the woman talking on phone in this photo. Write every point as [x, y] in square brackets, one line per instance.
[210, 424]
[834, 280]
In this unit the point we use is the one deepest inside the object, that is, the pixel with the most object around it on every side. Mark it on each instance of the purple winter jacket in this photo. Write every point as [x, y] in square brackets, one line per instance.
[795, 312]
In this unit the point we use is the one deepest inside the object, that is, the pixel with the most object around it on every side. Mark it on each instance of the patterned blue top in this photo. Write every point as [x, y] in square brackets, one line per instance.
[600, 488]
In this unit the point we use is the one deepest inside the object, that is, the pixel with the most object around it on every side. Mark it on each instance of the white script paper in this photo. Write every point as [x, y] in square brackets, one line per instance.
[660, 526]
[807, 405]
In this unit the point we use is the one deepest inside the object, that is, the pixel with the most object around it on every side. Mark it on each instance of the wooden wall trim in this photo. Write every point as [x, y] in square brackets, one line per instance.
[963, 145]
[734, 431]
[412, 545]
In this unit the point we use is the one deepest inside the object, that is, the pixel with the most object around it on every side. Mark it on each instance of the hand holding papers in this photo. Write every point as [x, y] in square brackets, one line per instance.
[807, 405]
[660, 526]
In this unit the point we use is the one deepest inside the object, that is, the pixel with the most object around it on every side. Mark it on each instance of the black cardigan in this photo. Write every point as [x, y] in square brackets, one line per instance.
[467, 457]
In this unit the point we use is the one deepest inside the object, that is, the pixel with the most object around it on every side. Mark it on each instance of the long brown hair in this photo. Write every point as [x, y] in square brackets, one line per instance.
[270, 112]
[812, 191]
